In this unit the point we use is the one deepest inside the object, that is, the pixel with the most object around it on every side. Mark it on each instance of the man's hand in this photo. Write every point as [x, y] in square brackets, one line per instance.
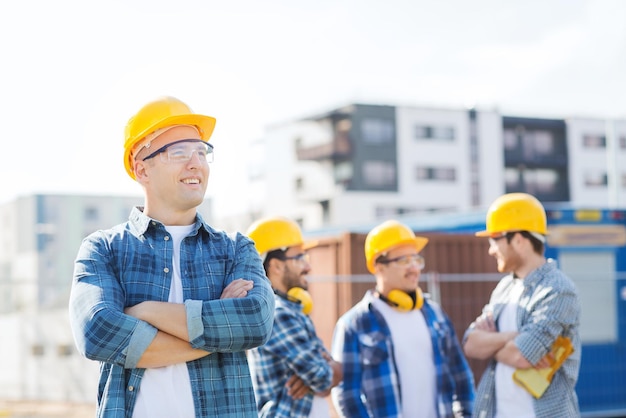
[484, 340]
[546, 361]
[237, 289]
[485, 322]
[296, 387]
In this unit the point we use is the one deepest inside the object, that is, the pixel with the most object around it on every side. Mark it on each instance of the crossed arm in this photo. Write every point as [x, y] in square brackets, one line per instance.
[297, 389]
[484, 341]
[171, 343]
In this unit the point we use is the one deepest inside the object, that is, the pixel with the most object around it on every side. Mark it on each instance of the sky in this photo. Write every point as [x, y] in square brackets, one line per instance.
[73, 72]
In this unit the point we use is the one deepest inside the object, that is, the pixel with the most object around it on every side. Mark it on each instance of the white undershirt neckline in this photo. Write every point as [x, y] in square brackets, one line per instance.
[414, 359]
[165, 392]
[512, 401]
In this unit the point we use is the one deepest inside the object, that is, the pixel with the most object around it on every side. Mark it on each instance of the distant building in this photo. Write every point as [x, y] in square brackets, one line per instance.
[363, 163]
[39, 239]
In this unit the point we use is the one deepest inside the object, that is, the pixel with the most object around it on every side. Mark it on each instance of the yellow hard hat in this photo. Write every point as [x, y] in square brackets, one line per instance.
[161, 113]
[515, 212]
[385, 237]
[274, 233]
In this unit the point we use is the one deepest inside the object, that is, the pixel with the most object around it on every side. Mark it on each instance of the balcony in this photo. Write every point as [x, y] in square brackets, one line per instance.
[338, 149]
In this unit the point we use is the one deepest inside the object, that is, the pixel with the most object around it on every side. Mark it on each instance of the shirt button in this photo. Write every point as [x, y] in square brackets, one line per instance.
[166, 238]
[131, 388]
[166, 270]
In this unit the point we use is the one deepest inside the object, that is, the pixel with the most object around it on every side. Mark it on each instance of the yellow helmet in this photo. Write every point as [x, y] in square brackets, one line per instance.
[161, 113]
[387, 236]
[274, 233]
[515, 212]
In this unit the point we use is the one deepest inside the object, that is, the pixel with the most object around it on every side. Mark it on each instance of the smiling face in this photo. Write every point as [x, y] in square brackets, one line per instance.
[297, 268]
[173, 190]
[291, 270]
[505, 252]
[394, 275]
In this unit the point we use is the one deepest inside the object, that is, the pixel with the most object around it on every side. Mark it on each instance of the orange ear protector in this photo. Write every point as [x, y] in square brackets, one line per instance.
[298, 295]
[404, 301]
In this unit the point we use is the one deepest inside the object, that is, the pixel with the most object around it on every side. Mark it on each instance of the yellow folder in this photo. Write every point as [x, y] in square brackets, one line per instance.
[536, 381]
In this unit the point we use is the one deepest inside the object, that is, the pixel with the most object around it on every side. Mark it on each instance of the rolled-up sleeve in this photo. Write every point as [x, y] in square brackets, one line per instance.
[100, 328]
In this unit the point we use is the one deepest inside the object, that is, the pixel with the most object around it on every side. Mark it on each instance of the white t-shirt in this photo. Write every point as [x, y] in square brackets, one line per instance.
[512, 401]
[320, 408]
[415, 363]
[165, 392]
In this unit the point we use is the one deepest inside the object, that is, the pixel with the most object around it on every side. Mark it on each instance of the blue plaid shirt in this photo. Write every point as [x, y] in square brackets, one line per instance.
[293, 348]
[131, 263]
[370, 386]
[549, 306]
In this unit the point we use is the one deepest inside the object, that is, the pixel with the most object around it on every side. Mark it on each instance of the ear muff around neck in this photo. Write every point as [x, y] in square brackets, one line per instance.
[403, 301]
[298, 295]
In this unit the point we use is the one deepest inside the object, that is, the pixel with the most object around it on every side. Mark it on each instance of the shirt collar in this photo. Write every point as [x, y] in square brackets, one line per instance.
[140, 222]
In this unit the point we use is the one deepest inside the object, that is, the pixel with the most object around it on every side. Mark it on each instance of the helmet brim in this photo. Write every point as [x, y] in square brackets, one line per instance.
[205, 124]
[418, 242]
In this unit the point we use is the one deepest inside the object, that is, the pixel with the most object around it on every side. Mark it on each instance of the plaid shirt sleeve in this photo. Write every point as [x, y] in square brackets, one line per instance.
[345, 349]
[302, 350]
[227, 325]
[549, 307]
[101, 329]
[370, 380]
[293, 349]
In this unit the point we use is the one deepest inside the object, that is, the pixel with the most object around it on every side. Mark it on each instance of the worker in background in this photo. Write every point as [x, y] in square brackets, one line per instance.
[293, 372]
[531, 309]
[165, 303]
[399, 350]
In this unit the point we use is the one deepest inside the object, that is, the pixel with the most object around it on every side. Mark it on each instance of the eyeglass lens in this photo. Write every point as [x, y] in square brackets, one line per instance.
[183, 152]
[407, 260]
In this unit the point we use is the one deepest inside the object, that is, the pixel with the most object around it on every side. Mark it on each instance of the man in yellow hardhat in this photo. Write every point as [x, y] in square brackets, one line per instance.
[293, 371]
[167, 304]
[399, 350]
[532, 310]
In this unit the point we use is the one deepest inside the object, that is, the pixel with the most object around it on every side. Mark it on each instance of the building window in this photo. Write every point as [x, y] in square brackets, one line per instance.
[435, 173]
[379, 173]
[64, 350]
[299, 183]
[624, 180]
[37, 350]
[534, 181]
[392, 211]
[542, 143]
[510, 139]
[91, 214]
[594, 141]
[622, 142]
[530, 144]
[444, 133]
[343, 172]
[596, 179]
[377, 131]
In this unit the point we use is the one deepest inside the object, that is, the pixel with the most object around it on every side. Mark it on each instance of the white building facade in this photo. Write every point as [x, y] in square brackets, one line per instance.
[597, 154]
[363, 163]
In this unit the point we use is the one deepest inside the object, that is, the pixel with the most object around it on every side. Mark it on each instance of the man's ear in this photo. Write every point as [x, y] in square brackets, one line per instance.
[139, 168]
[378, 267]
[275, 265]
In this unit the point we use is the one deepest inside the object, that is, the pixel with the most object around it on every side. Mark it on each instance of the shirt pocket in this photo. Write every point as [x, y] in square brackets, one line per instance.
[206, 277]
[373, 348]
